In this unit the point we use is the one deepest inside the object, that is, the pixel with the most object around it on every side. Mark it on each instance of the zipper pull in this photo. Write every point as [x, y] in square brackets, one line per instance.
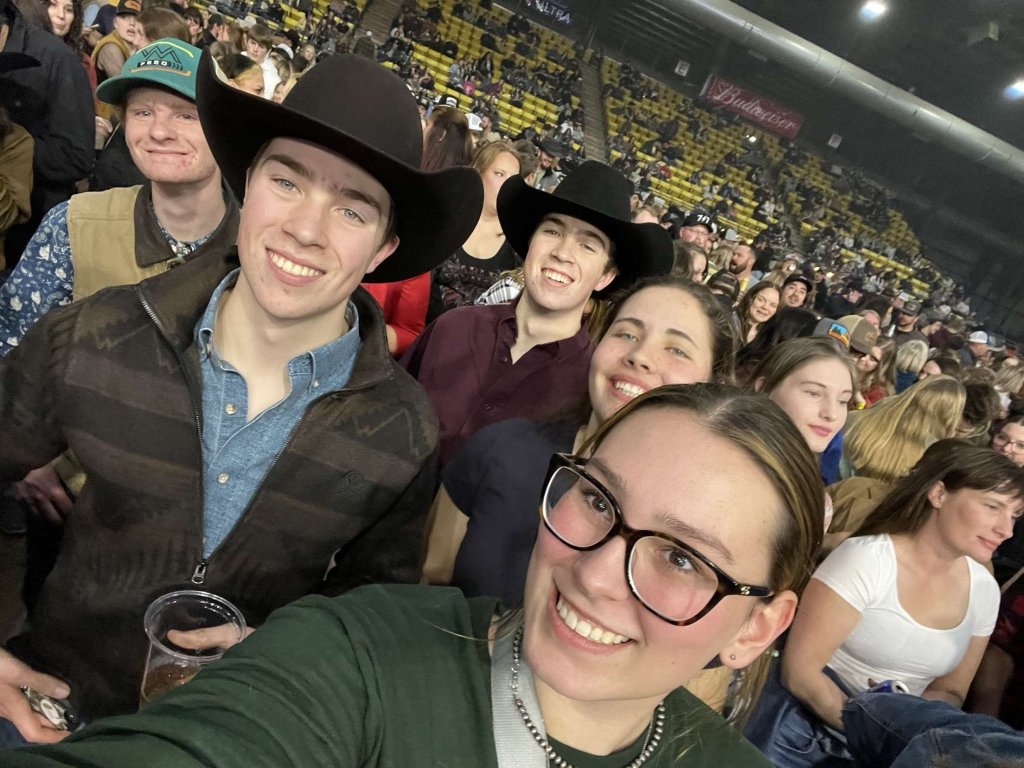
[199, 574]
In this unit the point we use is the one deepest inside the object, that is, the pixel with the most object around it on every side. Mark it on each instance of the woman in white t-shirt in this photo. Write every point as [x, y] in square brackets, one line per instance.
[906, 598]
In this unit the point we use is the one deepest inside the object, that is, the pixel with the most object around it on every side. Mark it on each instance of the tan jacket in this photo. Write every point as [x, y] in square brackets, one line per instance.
[15, 181]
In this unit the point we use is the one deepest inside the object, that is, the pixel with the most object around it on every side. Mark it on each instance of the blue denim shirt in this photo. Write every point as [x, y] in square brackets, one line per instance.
[237, 455]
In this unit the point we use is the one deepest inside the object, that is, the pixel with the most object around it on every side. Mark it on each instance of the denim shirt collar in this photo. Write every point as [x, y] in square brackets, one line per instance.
[316, 363]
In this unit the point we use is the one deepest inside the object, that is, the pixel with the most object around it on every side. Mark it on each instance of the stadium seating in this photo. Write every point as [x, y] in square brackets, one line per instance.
[678, 189]
[719, 142]
[536, 112]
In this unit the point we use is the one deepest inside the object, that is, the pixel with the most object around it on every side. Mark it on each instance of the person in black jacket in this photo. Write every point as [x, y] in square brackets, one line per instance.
[53, 102]
[843, 302]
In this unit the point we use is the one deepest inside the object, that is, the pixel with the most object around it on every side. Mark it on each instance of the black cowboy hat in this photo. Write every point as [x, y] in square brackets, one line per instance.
[553, 148]
[599, 195]
[352, 106]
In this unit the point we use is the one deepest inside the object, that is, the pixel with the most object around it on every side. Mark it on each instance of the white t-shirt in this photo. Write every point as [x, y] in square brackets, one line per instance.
[887, 644]
[270, 77]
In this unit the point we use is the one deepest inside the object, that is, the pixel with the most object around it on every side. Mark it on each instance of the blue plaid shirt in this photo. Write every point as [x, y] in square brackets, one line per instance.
[45, 277]
[238, 454]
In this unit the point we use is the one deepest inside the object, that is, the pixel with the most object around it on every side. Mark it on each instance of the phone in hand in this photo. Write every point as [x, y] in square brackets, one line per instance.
[57, 711]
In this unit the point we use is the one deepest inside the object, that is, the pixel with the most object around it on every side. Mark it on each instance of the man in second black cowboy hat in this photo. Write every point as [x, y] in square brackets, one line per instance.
[548, 174]
[240, 428]
[529, 359]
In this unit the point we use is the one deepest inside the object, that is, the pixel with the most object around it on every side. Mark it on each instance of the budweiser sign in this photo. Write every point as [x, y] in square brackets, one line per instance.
[757, 109]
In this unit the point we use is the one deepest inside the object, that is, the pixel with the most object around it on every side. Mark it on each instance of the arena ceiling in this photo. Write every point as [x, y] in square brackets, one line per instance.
[941, 50]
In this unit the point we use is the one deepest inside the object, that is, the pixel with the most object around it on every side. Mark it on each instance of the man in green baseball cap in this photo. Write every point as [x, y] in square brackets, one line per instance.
[121, 236]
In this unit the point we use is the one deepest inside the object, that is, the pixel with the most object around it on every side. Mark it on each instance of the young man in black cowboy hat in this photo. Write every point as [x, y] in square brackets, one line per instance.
[548, 176]
[529, 359]
[240, 427]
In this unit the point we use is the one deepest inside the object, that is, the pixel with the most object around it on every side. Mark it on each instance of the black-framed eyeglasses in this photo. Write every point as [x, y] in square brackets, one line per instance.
[670, 578]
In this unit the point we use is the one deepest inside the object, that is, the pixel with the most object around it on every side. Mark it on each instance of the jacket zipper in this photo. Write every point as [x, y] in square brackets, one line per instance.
[203, 563]
[199, 574]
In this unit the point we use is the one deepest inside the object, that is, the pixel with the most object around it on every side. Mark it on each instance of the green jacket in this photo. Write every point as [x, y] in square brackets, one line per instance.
[382, 676]
[116, 378]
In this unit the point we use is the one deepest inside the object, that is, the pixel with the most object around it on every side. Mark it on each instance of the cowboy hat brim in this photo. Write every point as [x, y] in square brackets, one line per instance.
[435, 212]
[641, 250]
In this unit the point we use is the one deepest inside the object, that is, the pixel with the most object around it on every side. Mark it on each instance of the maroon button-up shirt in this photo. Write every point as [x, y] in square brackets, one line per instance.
[464, 361]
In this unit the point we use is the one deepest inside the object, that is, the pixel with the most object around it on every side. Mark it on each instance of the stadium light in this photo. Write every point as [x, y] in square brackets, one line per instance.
[1016, 90]
[872, 9]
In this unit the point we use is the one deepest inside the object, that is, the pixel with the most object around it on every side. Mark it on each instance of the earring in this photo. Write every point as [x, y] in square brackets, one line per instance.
[732, 657]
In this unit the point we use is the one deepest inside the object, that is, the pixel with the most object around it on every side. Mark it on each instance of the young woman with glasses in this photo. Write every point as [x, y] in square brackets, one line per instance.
[906, 599]
[682, 532]
[1009, 440]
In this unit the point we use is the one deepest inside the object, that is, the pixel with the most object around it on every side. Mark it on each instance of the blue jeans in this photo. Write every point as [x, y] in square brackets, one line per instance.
[898, 731]
[790, 735]
[10, 736]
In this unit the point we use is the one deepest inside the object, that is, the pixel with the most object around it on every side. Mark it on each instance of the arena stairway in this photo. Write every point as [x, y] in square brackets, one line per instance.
[594, 130]
[378, 17]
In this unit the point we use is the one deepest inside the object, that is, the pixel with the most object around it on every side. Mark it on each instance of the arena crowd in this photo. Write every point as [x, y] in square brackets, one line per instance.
[500, 455]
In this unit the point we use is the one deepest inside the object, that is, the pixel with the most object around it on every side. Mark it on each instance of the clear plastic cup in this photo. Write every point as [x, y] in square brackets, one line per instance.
[169, 665]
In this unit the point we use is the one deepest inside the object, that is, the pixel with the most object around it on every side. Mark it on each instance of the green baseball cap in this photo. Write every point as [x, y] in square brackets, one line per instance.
[168, 62]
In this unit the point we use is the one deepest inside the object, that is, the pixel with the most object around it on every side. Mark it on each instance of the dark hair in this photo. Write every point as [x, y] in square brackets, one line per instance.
[788, 323]
[948, 366]
[982, 404]
[235, 64]
[159, 23]
[727, 282]
[73, 38]
[878, 304]
[957, 464]
[447, 142]
[261, 35]
[192, 14]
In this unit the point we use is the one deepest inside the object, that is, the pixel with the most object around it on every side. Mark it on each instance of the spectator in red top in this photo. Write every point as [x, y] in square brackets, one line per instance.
[405, 309]
[530, 359]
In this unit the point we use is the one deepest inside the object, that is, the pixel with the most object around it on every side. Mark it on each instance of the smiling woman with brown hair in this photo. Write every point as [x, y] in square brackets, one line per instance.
[678, 535]
[905, 599]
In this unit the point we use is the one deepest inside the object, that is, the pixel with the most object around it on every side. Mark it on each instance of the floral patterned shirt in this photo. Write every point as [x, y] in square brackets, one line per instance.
[45, 276]
[42, 280]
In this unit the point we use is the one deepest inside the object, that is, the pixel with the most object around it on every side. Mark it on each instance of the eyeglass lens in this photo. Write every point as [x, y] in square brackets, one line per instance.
[668, 579]
[1015, 445]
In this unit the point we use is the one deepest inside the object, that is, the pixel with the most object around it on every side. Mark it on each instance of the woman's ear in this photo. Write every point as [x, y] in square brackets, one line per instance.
[937, 495]
[758, 383]
[760, 631]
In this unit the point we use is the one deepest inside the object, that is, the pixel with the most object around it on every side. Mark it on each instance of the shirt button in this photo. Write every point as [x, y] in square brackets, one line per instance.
[223, 477]
[504, 358]
[316, 383]
[487, 407]
[230, 409]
